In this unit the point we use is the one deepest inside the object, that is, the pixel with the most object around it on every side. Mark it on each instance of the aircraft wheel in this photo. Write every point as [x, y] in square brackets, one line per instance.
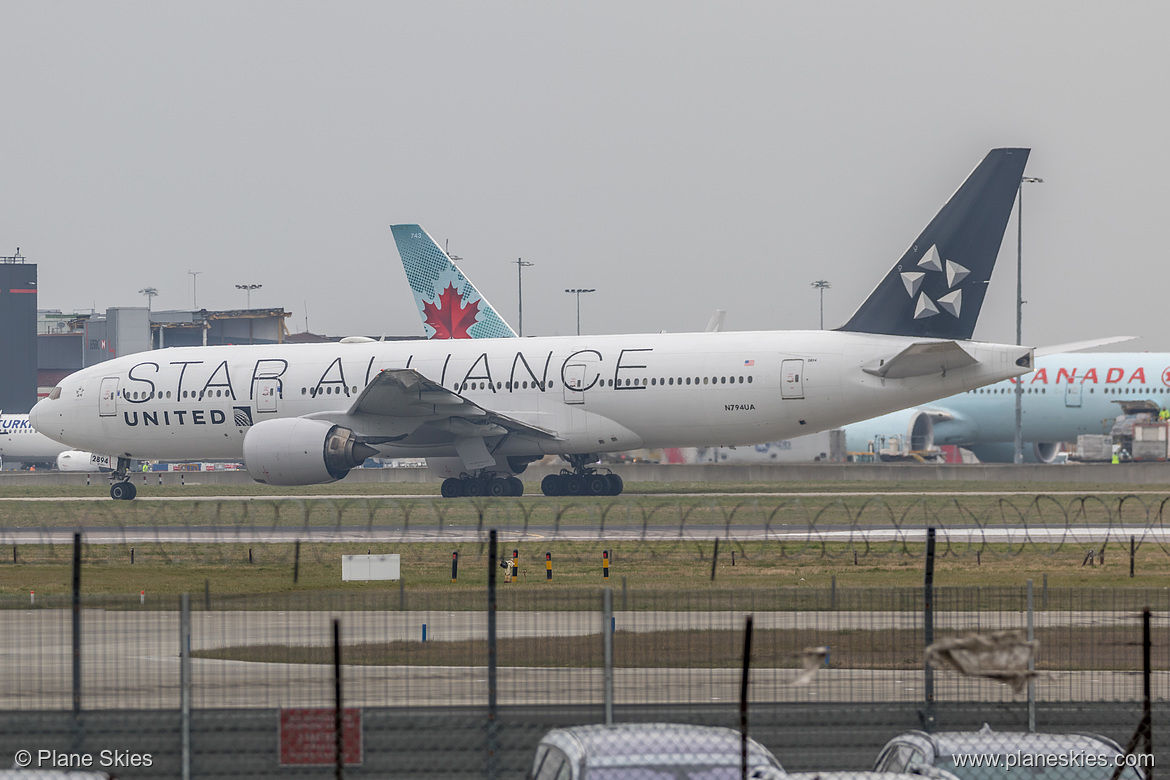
[517, 486]
[122, 491]
[476, 487]
[574, 485]
[596, 485]
[551, 485]
[498, 487]
[615, 484]
[452, 488]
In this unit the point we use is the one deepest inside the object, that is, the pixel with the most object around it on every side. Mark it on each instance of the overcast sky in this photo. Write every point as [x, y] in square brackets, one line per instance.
[677, 156]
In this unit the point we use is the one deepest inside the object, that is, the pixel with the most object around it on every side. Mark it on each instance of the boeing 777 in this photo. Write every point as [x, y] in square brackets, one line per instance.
[484, 409]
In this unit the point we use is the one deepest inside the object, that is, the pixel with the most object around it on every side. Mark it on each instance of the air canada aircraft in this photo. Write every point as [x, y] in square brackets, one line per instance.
[481, 410]
[1068, 394]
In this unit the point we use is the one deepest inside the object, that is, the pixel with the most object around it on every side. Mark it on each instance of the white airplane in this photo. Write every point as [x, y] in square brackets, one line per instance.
[482, 410]
[21, 443]
[1069, 394]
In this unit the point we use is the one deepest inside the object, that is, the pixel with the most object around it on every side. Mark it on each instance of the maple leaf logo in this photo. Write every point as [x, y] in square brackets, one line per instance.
[450, 318]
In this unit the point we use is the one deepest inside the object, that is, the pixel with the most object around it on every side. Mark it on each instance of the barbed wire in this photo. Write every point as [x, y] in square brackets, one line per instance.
[796, 528]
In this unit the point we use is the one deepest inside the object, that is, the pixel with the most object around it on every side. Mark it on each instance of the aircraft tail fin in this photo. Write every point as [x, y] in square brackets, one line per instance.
[450, 305]
[936, 289]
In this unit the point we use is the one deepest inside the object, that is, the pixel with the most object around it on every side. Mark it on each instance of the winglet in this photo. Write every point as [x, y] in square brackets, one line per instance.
[449, 304]
[937, 288]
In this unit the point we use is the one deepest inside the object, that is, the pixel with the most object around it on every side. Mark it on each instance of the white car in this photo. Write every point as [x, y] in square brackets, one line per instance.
[649, 751]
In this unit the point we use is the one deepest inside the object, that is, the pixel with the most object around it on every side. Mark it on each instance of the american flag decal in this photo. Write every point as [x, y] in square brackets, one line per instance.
[749, 362]
[243, 416]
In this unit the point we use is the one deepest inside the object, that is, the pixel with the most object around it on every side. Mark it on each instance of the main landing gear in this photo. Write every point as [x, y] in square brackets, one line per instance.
[121, 488]
[489, 484]
[583, 480]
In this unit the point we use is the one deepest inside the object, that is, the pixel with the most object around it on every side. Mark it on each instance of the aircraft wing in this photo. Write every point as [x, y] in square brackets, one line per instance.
[922, 359]
[400, 403]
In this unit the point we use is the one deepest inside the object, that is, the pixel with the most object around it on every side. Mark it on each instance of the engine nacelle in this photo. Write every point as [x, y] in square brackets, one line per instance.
[1005, 452]
[909, 429]
[76, 460]
[300, 451]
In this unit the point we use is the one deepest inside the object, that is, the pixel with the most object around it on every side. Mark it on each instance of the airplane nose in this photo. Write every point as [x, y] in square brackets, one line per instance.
[32, 414]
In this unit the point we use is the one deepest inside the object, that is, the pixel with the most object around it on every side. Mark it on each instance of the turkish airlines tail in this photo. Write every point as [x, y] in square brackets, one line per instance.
[936, 289]
[449, 304]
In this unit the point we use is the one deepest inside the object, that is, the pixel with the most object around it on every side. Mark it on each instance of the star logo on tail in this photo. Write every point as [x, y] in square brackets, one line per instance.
[952, 301]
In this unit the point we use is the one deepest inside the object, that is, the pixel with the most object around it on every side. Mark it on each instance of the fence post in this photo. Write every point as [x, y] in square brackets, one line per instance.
[296, 561]
[607, 633]
[1132, 550]
[338, 711]
[743, 698]
[492, 725]
[833, 594]
[928, 631]
[1031, 664]
[185, 683]
[714, 558]
[78, 729]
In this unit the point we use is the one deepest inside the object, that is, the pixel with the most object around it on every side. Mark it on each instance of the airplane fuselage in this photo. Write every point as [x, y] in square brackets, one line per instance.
[1068, 394]
[595, 393]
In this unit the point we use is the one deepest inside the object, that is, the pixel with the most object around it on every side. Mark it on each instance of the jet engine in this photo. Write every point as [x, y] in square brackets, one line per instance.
[301, 451]
[76, 460]
[909, 429]
[1004, 452]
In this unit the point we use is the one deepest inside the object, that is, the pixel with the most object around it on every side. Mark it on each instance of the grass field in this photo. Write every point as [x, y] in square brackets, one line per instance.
[163, 569]
[168, 569]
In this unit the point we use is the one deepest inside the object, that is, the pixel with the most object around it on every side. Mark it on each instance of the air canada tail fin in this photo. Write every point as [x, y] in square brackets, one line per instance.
[937, 288]
[449, 304]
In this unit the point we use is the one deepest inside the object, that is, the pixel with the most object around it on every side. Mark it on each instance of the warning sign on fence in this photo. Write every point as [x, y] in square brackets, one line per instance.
[307, 736]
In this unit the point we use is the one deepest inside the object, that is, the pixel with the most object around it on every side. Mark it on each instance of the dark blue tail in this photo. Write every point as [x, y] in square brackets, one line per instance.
[936, 290]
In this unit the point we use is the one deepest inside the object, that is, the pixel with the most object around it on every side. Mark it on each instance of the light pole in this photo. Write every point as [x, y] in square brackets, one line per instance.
[194, 288]
[577, 291]
[1018, 455]
[520, 266]
[822, 285]
[149, 292]
[248, 288]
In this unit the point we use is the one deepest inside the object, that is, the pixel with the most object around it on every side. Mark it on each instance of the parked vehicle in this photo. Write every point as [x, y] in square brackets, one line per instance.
[1004, 755]
[649, 751]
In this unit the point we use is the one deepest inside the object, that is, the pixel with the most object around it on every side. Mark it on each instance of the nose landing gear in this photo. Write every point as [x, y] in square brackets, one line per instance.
[121, 488]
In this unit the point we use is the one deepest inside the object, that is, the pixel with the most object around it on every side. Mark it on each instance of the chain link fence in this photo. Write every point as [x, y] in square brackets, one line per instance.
[423, 699]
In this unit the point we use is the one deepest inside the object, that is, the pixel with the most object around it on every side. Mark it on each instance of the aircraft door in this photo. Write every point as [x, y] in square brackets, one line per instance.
[574, 386]
[267, 394]
[1072, 394]
[108, 398]
[792, 379]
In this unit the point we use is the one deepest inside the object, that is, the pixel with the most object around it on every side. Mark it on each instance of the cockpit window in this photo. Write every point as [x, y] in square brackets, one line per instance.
[55, 393]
